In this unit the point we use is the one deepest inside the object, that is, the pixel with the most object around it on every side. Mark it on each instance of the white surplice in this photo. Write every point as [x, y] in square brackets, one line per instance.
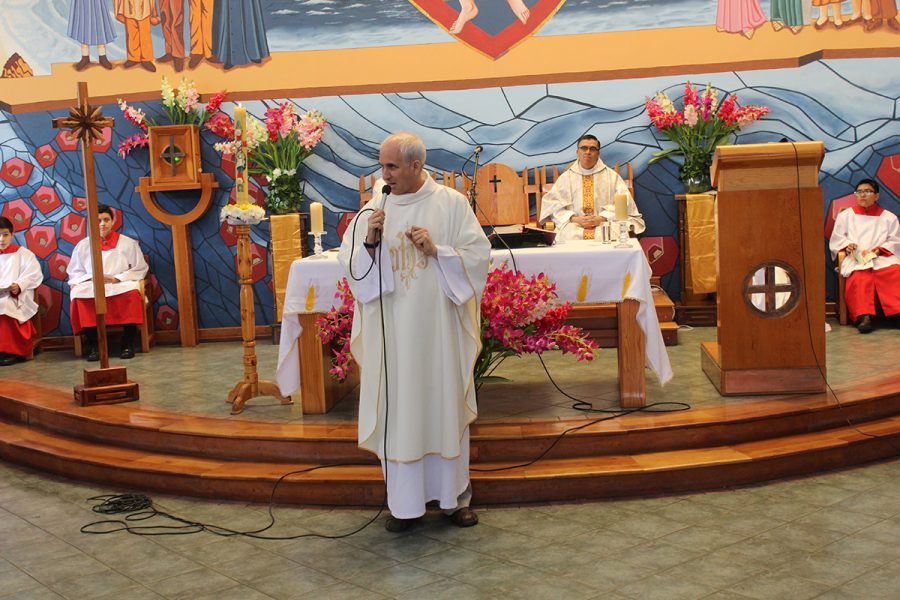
[125, 262]
[22, 268]
[868, 229]
[432, 338]
[565, 200]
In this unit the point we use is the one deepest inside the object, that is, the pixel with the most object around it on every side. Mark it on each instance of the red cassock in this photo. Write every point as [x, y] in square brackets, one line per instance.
[122, 259]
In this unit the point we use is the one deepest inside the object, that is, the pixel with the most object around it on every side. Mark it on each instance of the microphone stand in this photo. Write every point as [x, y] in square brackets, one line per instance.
[473, 195]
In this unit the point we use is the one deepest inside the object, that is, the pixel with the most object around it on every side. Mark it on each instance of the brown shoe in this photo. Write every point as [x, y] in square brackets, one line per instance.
[395, 525]
[165, 58]
[104, 62]
[464, 517]
[130, 63]
[194, 61]
[148, 66]
[82, 64]
[178, 64]
[893, 24]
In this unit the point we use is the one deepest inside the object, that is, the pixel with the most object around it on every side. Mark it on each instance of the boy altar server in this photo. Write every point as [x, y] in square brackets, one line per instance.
[20, 275]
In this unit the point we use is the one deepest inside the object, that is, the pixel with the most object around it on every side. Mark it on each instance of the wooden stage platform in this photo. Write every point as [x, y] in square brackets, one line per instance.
[725, 443]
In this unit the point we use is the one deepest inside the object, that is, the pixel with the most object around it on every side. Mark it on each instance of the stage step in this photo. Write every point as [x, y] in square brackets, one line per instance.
[551, 479]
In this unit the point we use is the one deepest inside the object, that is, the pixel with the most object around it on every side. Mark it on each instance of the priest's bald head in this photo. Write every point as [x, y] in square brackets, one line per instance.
[402, 157]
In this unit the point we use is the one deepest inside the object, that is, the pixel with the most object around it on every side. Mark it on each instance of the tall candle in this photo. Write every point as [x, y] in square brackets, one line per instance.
[621, 201]
[316, 224]
[242, 191]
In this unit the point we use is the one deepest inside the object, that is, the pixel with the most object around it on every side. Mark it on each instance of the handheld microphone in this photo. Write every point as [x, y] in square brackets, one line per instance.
[385, 192]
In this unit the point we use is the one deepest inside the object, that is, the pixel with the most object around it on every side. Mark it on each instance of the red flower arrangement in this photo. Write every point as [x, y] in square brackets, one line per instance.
[518, 315]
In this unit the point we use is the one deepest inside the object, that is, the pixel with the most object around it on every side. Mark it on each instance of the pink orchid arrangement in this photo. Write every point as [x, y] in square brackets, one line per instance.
[181, 105]
[518, 315]
[334, 328]
[700, 126]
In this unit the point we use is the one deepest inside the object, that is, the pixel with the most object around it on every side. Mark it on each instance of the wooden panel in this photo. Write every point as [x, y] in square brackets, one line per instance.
[772, 166]
[501, 197]
[318, 391]
[632, 354]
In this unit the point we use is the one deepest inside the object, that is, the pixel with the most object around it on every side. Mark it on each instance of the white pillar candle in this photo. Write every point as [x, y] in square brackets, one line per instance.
[316, 223]
[621, 201]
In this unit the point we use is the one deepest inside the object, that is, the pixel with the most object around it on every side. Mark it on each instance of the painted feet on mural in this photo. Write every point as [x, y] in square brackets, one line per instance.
[519, 9]
[148, 66]
[167, 57]
[796, 29]
[82, 64]
[130, 63]
[194, 61]
[777, 25]
[467, 11]
[872, 24]
[893, 24]
[748, 33]
[104, 62]
[178, 64]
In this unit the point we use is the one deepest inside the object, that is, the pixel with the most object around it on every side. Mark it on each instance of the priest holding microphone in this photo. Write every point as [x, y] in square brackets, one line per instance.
[417, 261]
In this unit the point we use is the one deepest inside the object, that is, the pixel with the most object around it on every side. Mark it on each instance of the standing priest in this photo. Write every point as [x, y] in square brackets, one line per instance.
[20, 275]
[123, 268]
[583, 196]
[871, 237]
[418, 247]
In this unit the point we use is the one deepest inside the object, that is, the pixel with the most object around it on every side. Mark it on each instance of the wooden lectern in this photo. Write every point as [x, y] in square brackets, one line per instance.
[771, 270]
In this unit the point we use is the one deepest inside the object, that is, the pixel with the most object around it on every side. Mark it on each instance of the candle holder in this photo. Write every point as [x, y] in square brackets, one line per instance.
[318, 252]
[624, 227]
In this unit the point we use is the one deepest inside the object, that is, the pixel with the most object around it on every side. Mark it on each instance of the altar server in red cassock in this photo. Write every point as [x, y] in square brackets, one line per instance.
[123, 268]
[871, 237]
[20, 275]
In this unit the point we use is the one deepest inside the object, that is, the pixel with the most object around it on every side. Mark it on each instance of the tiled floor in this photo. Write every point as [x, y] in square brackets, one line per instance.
[830, 536]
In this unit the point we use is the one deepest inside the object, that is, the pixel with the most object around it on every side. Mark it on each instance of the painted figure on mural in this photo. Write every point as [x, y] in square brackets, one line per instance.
[239, 32]
[171, 20]
[138, 16]
[793, 14]
[201, 23]
[739, 16]
[822, 19]
[90, 24]
[468, 10]
[874, 14]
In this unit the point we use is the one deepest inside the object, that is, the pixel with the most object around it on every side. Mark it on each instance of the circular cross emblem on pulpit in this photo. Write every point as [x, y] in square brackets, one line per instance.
[172, 155]
[772, 289]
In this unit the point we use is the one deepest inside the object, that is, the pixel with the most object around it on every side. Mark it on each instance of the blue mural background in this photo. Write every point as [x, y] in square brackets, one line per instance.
[850, 104]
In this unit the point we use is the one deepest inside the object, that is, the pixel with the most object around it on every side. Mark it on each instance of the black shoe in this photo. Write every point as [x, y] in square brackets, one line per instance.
[464, 517]
[395, 525]
[148, 66]
[93, 354]
[194, 61]
[9, 359]
[126, 353]
[864, 324]
[104, 62]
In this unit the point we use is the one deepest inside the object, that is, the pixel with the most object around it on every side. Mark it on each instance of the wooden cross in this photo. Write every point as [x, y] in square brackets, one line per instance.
[495, 181]
[86, 123]
[770, 288]
[173, 155]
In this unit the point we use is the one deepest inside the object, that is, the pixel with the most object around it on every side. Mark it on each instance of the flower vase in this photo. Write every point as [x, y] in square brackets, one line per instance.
[695, 173]
[289, 237]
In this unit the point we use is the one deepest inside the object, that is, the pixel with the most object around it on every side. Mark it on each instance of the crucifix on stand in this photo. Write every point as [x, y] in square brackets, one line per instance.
[105, 385]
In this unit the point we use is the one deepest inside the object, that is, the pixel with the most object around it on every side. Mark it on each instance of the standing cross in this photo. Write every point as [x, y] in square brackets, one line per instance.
[86, 123]
[495, 181]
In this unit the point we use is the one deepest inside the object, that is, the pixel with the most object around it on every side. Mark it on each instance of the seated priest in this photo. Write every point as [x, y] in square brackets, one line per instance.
[123, 267]
[20, 275]
[584, 195]
[870, 235]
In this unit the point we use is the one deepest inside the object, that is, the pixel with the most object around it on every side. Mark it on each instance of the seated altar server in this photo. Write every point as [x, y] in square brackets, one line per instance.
[871, 237]
[123, 267]
[20, 275]
[584, 195]
[430, 266]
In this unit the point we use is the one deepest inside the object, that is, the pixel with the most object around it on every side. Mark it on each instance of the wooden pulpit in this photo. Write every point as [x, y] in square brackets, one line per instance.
[501, 197]
[771, 270]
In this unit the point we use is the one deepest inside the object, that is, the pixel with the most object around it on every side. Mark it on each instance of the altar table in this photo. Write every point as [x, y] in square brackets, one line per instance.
[584, 272]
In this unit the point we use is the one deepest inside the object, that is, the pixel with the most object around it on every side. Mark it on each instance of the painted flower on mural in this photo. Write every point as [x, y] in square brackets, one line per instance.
[699, 127]
[519, 315]
[276, 148]
[182, 107]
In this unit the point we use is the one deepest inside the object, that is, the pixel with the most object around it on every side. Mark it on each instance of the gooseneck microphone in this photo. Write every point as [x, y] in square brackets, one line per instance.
[479, 149]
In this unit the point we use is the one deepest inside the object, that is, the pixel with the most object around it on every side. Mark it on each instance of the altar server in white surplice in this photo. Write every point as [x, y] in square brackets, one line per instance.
[584, 196]
[20, 275]
[123, 268]
[871, 237]
[433, 259]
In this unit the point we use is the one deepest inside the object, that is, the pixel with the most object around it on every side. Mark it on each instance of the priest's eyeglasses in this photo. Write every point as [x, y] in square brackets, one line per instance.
[589, 148]
[864, 192]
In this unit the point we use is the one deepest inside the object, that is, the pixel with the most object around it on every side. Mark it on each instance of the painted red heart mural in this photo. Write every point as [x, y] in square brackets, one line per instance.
[492, 27]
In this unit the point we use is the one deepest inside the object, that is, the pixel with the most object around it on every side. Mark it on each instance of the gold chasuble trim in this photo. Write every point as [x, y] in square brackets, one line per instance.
[587, 201]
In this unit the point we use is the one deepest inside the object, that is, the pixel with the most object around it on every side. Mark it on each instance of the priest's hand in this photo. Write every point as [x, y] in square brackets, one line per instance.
[422, 240]
[376, 226]
[588, 221]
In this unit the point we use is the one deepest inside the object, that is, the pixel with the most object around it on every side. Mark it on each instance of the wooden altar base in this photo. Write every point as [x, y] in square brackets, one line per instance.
[739, 442]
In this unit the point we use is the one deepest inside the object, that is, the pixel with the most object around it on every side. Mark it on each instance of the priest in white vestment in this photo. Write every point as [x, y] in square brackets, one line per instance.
[20, 275]
[123, 268]
[871, 237]
[583, 197]
[418, 257]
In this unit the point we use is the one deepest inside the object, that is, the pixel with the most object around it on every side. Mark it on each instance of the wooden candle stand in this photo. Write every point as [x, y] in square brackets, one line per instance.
[250, 386]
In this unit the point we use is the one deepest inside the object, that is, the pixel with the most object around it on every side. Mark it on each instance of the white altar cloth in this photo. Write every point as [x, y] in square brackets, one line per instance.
[584, 271]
